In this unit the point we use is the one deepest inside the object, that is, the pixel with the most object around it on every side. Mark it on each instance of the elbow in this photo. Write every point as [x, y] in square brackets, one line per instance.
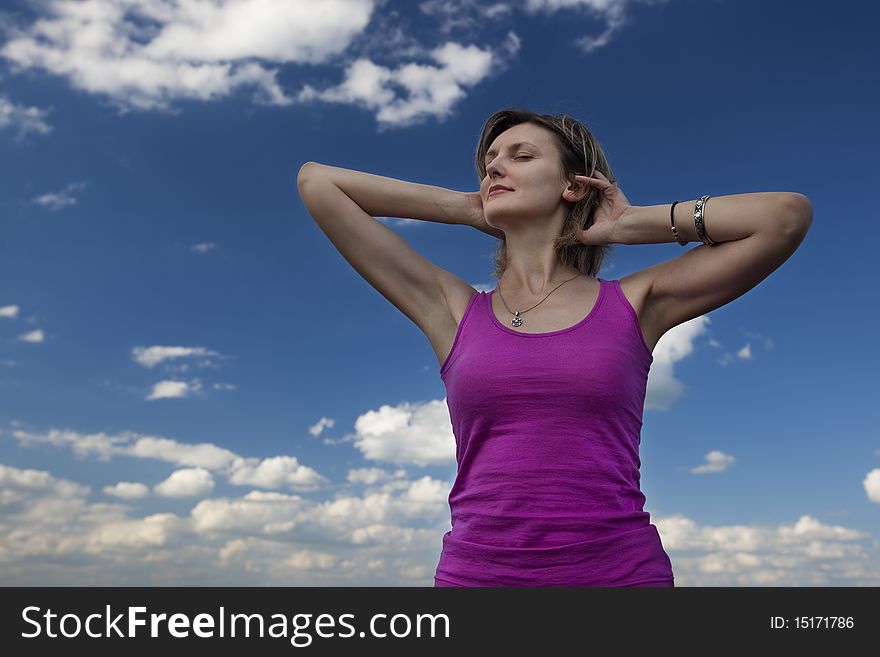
[798, 214]
[305, 171]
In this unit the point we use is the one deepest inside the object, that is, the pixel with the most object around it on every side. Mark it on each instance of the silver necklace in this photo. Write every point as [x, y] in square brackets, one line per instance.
[517, 316]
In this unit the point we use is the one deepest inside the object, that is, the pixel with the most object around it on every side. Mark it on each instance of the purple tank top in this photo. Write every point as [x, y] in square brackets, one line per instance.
[547, 431]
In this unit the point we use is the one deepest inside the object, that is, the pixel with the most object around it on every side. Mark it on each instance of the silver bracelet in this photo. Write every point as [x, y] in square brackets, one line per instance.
[678, 238]
[698, 221]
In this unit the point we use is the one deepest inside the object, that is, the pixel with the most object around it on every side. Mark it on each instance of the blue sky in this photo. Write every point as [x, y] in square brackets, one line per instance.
[196, 388]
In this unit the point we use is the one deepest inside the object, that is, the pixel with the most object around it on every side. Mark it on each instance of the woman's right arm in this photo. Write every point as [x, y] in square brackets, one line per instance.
[342, 202]
[388, 197]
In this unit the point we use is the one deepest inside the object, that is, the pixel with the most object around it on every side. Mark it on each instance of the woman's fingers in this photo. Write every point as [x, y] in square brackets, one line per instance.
[596, 182]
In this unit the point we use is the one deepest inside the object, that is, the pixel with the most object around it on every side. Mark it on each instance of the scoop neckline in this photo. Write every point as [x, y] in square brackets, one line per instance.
[603, 284]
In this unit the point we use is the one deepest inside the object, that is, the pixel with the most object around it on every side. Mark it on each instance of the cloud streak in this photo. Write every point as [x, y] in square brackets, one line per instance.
[272, 472]
[23, 120]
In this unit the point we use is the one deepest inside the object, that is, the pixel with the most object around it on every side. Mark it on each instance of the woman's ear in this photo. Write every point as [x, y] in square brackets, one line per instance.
[576, 191]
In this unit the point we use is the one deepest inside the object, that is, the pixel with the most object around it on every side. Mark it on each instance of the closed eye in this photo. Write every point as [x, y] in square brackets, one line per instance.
[521, 155]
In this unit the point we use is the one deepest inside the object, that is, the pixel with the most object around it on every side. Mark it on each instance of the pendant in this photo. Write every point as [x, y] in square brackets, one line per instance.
[516, 321]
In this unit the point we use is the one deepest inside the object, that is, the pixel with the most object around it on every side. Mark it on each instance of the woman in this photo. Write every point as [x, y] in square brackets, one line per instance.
[546, 375]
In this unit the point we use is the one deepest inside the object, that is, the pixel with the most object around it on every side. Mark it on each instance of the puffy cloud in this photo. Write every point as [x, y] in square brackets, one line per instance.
[99, 445]
[804, 553]
[324, 423]
[9, 311]
[192, 482]
[157, 530]
[127, 490]
[432, 89]
[275, 472]
[256, 512]
[872, 485]
[675, 345]
[716, 461]
[205, 455]
[173, 389]
[32, 336]
[52, 535]
[419, 434]
[369, 476]
[17, 484]
[271, 472]
[146, 54]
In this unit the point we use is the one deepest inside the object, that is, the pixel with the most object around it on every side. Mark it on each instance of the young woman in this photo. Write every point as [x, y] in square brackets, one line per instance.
[546, 375]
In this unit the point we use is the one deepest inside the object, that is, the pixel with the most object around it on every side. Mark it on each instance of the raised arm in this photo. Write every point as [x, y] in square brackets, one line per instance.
[343, 201]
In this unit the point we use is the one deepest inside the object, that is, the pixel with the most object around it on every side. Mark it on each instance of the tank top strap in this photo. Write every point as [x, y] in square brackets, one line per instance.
[625, 312]
[476, 299]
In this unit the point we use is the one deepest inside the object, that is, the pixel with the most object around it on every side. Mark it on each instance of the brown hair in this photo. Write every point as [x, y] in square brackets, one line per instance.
[581, 155]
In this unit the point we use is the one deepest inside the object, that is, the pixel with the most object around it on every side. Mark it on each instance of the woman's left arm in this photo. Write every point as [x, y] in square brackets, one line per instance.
[725, 218]
[753, 234]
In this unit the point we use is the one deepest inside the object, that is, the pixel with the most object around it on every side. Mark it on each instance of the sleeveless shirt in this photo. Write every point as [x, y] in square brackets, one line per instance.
[547, 431]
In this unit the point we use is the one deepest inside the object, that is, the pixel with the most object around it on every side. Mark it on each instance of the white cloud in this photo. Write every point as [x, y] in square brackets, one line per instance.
[59, 200]
[805, 553]
[144, 54]
[317, 428]
[99, 445]
[432, 90]
[173, 389]
[17, 484]
[744, 353]
[424, 498]
[148, 54]
[32, 336]
[202, 455]
[871, 483]
[464, 14]
[260, 513]
[191, 482]
[24, 120]
[152, 356]
[675, 345]
[52, 535]
[419, 434]
[203, 247]
[275, 472]
[716, 461]
[127, 490]
[272, 472]
[9, 311]
[370, 476]
[143, 534]
[613, 12]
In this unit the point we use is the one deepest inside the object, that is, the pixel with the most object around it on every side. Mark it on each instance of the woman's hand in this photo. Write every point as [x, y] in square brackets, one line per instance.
[613, 205]
[475, 215]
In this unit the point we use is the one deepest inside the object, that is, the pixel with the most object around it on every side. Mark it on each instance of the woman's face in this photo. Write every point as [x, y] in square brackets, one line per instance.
[526, 160]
